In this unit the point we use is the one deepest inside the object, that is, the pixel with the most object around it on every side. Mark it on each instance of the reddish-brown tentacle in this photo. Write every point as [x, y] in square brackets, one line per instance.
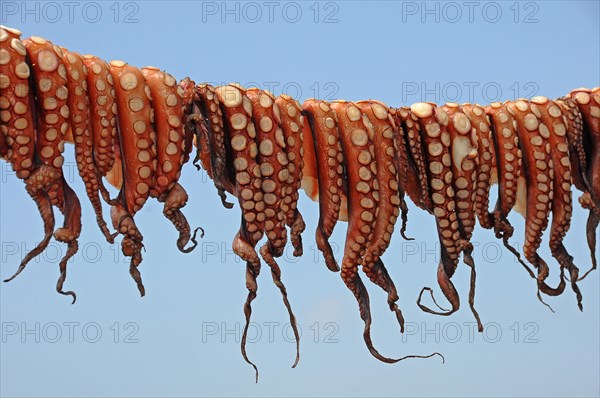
[436, 142]
[486, 170]
[509, 171]
[404, 167]
[416, 185]
[292, 123]
[363, 196]
[168, 106]
[17, 110]
[539, 174]
[322, 126]
[588, 103]
[103, 124]
[137, 139]
[211, 138]
[273, 162]
[52, 112]
[551, 120]
[81, 131]
[240, 134]
[377, 119]
[463, 149]
[356, 142]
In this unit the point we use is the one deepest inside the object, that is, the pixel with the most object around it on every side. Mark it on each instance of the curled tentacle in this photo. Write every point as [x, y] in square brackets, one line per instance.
[68, 234]
[131, 245]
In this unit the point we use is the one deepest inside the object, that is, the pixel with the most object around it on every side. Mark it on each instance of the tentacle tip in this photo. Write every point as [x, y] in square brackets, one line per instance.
[408, 238]
[296, 362]
[441, 356]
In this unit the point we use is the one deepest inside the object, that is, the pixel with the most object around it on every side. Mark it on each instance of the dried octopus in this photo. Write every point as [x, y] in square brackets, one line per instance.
[136, 128]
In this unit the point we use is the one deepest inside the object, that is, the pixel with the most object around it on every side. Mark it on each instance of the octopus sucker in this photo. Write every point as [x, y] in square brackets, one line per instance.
[538, 170]
[136, 128]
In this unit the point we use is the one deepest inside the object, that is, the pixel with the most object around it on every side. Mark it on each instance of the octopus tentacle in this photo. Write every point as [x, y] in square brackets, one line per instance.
[588, 103]
[417, 186]
[17, 110]
[403, 166]
[81, 130]
[377, 120]
[36, 186]
[356, 143]
[240, 133]
[551, 119]
[362, 211]
[137, 139]
[214, 141]
[322, 127]
[435, 138]
[509, 171]
[103, 124]
[68, 234]
[273, 163]
[52, 116]
[292, 123]
[463, 148]
[539, 174]
[486, 169]
[167, 103]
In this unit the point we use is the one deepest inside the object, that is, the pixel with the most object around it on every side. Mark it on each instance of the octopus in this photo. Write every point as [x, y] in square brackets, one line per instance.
[135, 128]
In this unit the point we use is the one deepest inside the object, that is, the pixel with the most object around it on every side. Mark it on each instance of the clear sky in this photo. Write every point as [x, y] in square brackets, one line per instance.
[183, 338]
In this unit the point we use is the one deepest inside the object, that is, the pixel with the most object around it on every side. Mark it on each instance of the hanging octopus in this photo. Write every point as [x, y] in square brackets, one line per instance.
[136, 128]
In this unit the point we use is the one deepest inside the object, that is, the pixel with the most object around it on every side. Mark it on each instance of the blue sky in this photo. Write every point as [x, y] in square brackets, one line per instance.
[183, 337]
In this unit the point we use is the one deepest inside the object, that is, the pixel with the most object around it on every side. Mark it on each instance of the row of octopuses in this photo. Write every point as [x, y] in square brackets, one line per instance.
[137, 128]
